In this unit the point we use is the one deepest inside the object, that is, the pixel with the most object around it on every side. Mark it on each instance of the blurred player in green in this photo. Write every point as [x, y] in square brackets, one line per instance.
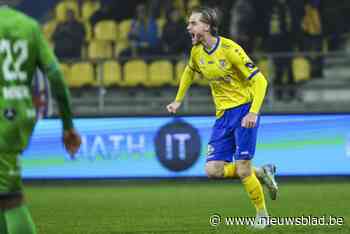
[23, 49]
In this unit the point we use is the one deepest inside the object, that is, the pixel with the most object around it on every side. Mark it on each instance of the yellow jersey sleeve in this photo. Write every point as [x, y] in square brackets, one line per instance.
[249, 72]
[259, 85]
[191, 63]
[186, 78]
[185, 83]
[240, 60]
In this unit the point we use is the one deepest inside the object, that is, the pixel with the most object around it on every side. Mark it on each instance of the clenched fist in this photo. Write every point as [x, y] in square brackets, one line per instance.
[72, 141]
[250, 120]
[172, 107]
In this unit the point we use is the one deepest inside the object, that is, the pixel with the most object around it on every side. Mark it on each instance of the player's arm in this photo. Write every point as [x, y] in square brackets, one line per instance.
[259, 86]
[258, 82]
[50, 66]
[185, 83]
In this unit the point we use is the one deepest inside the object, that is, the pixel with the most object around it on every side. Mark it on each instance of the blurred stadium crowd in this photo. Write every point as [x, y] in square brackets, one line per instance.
[135, 43]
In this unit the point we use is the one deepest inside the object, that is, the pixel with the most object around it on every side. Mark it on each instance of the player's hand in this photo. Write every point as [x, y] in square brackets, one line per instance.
[72, 141]
[172, 107]
[249, 121]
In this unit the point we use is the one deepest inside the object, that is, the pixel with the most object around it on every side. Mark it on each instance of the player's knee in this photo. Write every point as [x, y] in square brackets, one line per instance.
[214, 170]
[243, 173]
[243, 169]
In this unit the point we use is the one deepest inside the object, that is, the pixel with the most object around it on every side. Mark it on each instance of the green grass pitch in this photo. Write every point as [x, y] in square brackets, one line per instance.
[94, 207]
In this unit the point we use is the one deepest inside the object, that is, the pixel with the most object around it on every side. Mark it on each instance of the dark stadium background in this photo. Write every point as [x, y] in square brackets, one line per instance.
[105, 82]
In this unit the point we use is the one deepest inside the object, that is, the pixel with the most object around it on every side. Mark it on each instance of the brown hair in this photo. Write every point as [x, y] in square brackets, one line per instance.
[209, 16]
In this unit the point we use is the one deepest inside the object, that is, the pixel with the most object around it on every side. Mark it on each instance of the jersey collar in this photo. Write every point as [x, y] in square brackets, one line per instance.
[212, 50]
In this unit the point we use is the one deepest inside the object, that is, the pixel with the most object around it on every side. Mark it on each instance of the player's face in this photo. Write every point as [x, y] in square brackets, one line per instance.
[196, 28]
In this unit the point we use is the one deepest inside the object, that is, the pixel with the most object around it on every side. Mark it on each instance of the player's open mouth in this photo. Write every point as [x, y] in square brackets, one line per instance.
[193, 37]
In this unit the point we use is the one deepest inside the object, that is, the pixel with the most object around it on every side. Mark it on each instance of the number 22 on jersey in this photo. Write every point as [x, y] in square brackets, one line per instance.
[11, 67]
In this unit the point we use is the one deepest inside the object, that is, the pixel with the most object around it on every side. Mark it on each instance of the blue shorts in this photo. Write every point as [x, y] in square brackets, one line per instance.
[230, 139]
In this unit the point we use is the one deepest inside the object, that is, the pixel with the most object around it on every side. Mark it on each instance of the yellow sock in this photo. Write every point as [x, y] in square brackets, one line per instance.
[230, 170]
[255, 191]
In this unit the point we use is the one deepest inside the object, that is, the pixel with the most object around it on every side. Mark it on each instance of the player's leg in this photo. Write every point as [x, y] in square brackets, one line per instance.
[16, 215]
[224, 169]
[231, 171]
[3, 229]
[246, 142]
[220, 150]
[19, 221]
[215, 169]
[221, 147]
[255, 191]
[251, 184]
[245, 139]
[265, 174]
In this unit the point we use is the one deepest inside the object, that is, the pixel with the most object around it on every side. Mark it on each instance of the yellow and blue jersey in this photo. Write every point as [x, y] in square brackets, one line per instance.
[231, 75]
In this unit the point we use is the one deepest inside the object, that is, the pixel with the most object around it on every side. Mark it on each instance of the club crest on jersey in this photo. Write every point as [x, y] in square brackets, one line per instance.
[222, 62]
[201, 61]
[10, 114]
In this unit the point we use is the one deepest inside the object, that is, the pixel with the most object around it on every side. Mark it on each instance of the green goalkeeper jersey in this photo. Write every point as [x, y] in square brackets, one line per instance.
[23, 49]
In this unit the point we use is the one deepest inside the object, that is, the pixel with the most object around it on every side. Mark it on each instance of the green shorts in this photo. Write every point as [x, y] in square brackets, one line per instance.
[10, 173]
